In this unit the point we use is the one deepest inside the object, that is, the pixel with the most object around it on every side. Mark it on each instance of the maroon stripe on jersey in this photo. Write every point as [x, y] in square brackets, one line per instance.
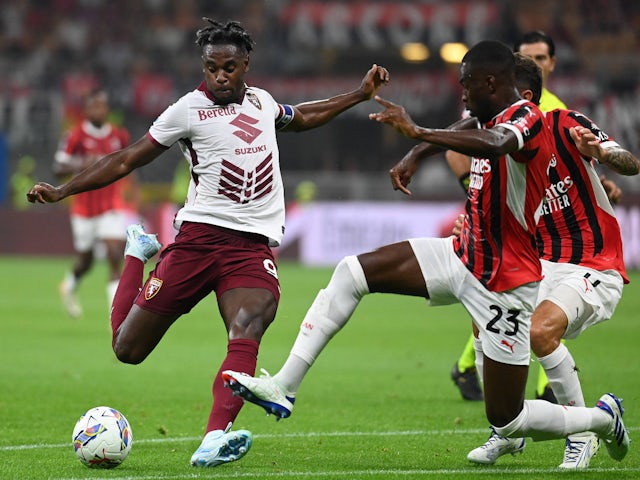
[231, 177]
[267, 171]
[270, 187]
[230, 195]
[261, 186]
[234, 168]
[264, 163]
[228, 186]
[194, 158]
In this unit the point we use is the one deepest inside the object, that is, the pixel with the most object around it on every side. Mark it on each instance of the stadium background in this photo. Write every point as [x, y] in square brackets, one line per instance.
[143, 53]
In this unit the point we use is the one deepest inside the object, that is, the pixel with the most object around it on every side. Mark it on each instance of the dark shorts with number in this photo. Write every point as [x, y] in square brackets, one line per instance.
[206, 258]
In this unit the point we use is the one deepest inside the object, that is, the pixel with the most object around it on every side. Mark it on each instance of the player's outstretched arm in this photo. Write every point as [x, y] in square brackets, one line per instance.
[100, 173]
[314, 114]
[490, 141]
[618, 159]
[402, 172]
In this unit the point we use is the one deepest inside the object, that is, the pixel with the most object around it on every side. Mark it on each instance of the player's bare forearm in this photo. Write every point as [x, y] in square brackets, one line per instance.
[96, 176]
[100, 173]
[621, 161]
[426, 149]
[617, 158]
[402, 172]
[316, 113]
[488, 142]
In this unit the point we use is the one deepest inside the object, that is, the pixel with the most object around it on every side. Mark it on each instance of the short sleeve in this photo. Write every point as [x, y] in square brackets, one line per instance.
[172, 124]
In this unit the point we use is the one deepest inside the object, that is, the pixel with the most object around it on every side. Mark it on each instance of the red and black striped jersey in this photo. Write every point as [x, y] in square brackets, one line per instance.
[86, 141]
[577, 223]
[498, 243]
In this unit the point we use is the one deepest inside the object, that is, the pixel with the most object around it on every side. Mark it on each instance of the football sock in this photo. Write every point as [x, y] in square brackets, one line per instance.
[479, 354]
[329, 312]
[543, 381]
[71, 281]
[465, 181]
[563, 376]
[467, 359]
[542, 420]
[242, 354]
[128, 288]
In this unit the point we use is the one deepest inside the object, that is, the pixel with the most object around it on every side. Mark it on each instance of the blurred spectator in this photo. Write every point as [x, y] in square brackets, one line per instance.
[64, 45]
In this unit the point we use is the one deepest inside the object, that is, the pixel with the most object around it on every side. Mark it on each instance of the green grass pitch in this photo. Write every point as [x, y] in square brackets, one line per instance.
[378, 404]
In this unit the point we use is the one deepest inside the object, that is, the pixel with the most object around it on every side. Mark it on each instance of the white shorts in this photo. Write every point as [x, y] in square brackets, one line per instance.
[88, 231]
[585, 295]
[503, 318]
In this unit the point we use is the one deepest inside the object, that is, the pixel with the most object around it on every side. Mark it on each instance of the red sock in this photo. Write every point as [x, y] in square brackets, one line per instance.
[128, 288]
[242, 355]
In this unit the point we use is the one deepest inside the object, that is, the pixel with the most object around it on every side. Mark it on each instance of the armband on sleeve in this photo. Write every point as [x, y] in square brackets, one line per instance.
[285, 116]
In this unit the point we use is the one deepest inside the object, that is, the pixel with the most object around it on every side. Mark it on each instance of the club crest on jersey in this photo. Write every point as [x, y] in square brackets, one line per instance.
[252, 97]
[153, 287]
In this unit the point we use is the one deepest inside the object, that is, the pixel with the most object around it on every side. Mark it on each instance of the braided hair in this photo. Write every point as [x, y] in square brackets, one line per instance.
[217, 33]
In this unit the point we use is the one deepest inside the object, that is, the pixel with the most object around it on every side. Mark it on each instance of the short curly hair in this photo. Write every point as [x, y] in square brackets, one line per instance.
[230, 33]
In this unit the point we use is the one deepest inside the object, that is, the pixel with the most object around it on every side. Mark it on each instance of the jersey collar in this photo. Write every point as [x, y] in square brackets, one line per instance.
[203, 88]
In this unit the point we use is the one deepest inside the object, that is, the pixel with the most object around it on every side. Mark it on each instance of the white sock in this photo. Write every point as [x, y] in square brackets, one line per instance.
[71, 281]
[542, 420]
[112, 286]
[329, 312]
[560, 368]
[477, 346]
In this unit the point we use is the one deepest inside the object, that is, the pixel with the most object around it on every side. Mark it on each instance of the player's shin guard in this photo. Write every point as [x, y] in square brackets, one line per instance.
[467, 358]
[331, 309]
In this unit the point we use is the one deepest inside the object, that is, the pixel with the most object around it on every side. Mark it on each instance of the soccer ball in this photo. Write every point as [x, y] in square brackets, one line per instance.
[102, 438]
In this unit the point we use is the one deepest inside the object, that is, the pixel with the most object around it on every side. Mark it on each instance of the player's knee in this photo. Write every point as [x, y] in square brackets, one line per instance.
[252, 323]
[544, 338]
[348, 279]
[126, 354]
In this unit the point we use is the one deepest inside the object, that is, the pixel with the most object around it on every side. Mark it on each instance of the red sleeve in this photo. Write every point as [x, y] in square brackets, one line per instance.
[72, 142]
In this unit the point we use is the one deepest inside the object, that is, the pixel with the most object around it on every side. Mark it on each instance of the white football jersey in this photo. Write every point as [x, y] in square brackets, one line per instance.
[234, 160]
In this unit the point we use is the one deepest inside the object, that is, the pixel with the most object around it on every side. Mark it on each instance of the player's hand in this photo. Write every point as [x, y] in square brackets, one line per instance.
[394, 115]
[587, 142]
[401, 173]
[42, 192]
[614, 193]
[457, 225]
[373, 80]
